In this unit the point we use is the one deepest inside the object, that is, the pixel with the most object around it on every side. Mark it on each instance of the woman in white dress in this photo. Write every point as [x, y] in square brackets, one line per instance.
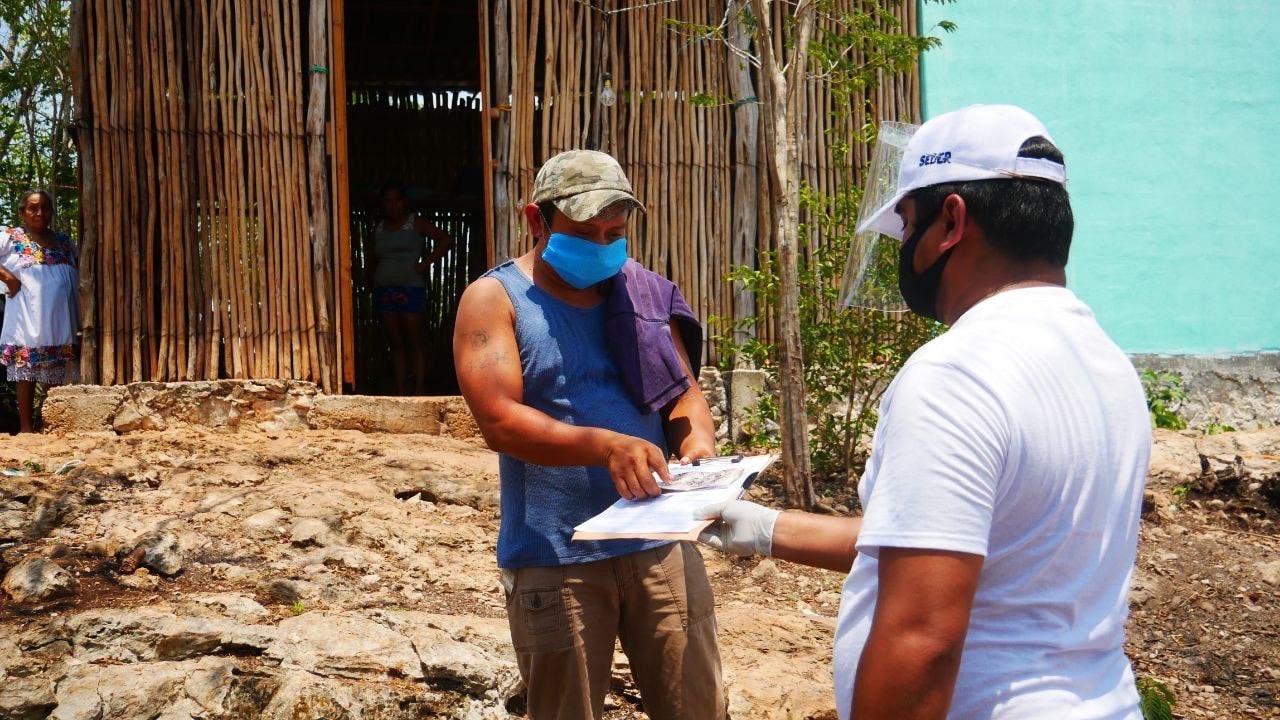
[40, 338]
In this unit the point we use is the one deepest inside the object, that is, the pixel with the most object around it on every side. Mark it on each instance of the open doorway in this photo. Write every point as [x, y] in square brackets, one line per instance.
[413, 118]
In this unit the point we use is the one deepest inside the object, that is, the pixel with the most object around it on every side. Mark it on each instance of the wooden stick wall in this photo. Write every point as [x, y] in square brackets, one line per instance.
[202, 263]
[548, 56]
[209, 241]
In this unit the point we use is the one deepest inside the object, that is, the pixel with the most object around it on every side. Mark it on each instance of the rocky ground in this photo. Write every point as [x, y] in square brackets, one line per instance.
[195, 573]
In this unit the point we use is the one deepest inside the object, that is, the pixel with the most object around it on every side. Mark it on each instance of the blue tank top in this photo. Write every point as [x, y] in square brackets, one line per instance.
[570, 375]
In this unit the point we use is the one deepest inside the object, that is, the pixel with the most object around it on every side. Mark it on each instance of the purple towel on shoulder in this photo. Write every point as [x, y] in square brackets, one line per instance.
[640, 306]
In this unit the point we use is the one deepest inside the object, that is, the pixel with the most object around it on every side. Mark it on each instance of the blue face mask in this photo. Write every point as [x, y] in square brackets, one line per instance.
[582, 263]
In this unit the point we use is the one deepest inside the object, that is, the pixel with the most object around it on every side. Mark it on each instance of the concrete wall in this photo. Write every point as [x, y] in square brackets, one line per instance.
[1166, 111]
[1242, 391]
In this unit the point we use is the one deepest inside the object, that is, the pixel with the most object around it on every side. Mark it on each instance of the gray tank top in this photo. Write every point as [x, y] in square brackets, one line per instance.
[397, 252]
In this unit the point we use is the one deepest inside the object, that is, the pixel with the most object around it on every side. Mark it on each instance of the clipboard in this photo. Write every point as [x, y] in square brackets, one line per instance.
[670, 516]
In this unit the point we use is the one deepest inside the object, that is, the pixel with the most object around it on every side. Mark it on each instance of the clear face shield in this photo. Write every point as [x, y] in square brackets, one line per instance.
[871, 273]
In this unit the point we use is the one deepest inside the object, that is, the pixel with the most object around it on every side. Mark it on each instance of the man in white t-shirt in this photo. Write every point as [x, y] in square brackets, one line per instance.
[989, 574]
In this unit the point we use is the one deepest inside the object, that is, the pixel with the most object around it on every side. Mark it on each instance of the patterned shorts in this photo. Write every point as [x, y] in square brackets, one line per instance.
[400, 299]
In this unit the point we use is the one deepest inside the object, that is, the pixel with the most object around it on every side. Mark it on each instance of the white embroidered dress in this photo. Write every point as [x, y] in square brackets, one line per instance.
[39, 339]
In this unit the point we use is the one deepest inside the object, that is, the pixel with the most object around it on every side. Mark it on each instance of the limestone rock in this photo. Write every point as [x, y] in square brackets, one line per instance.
[395, 415]
[37, 579]
[343, 645]
[157, 551]
[149, 633]
[270, 521]
[471, 653]
[310, 531]
[27, 698]
[190, 689]
[82, 408]
[1269, 573]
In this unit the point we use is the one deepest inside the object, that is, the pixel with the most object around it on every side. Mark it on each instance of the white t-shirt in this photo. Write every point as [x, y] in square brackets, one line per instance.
[1020, 435]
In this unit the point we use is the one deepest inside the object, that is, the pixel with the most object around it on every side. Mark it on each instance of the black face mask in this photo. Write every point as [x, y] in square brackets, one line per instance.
[920, 290]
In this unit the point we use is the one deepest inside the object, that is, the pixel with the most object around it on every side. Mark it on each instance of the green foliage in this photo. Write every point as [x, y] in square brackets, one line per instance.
[1155, 699]
[1216, 428]
[706, 100]
[858, 43]
[1164, 395]
[36, 148]
[297, 608]
[760, 423]
[850, 354]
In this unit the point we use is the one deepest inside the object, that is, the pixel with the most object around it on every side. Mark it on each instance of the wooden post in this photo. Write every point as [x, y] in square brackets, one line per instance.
[345, 341]
[500, 240]
[487, 115]
[84, 137]
[318, 172]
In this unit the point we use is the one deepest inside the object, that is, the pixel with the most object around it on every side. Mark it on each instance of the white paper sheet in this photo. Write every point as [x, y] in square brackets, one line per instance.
[672, 513]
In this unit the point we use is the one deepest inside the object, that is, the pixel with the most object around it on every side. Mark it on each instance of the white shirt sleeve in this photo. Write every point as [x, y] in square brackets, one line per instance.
[937, 459]
[6, 249]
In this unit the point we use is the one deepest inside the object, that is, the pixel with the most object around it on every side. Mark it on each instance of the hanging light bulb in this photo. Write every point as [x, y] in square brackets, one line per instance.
[607, 96]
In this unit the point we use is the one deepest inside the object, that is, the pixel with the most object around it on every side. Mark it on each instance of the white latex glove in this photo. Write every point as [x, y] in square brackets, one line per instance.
[742, 527]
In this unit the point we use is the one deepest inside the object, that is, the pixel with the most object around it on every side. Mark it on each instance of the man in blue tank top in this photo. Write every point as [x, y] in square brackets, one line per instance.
[540, 374]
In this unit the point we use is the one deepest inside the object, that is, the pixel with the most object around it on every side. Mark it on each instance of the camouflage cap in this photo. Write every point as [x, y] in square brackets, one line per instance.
[582, 183]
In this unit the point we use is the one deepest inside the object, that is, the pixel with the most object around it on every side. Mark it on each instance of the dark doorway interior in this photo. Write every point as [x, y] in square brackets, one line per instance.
[413, 116]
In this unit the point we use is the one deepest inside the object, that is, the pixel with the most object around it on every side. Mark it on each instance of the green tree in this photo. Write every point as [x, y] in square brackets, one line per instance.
[36, 146]
[850, 353]
[35, 110]
[849, 46]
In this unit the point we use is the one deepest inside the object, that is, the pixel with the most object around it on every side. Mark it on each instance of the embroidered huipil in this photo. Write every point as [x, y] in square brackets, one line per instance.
[39, 339]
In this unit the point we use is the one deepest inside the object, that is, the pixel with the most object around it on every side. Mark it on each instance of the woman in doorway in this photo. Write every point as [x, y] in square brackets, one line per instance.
[404, 246]
[40, 338]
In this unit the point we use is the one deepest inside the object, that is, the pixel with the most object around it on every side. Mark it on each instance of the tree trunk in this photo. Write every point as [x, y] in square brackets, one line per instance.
[746, 118]
[318, 169]
[780, 87]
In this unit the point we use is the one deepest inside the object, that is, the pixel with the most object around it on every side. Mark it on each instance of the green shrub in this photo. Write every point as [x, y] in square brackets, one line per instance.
[1155, 699]
[850, 354]
[1164, 396]
[1216, 428]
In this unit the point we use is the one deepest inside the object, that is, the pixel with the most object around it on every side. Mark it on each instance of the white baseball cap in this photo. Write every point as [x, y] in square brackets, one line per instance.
[980, 142]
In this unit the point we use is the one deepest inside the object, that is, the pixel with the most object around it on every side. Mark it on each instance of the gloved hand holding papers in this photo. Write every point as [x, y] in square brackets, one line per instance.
[671, 515]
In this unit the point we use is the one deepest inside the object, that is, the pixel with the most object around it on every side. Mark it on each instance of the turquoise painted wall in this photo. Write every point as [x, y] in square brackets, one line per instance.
[1168, 113]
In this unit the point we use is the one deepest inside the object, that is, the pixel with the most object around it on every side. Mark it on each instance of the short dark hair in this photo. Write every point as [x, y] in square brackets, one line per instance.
[1023, 218]
[392, 185]
[548, 209]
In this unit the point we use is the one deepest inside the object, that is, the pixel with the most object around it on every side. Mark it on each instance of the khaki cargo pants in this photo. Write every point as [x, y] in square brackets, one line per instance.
[658, 602]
